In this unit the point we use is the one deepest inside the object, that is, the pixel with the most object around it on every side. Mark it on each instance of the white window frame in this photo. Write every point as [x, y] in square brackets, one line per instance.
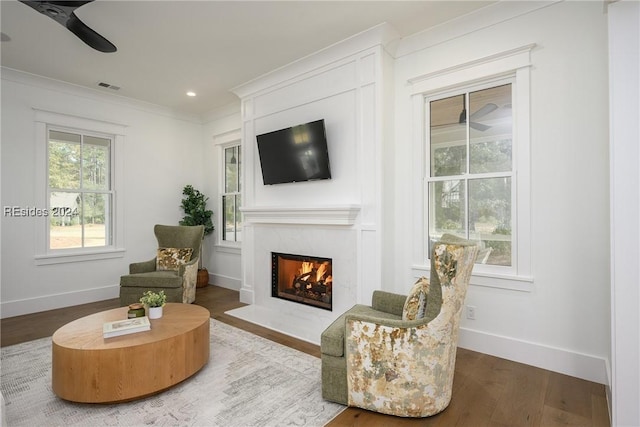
[48, 120]
[222, 142]
[515, 65]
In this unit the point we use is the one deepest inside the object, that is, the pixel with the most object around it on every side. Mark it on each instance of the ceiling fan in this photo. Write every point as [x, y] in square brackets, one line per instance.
[63, 12]
[486, 109]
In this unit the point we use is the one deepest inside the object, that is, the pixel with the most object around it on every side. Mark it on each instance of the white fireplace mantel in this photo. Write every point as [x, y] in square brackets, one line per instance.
[316, 215]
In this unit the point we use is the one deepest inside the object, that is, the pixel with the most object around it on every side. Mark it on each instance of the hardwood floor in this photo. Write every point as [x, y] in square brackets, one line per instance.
[487, 391]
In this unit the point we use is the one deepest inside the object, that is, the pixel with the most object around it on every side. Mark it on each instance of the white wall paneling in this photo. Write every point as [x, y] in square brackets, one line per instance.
[337, 218]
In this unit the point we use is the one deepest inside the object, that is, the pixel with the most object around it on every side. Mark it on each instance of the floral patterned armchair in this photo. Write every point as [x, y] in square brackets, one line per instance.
[174, 270]
[398, 356]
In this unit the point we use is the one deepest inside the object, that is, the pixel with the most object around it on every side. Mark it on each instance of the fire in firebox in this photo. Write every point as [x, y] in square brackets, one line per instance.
[303, 279]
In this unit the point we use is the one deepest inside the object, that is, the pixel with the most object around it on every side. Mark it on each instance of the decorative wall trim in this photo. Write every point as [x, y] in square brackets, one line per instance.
[465, 25]
[495, 65]
[321, 215]
[510, 60]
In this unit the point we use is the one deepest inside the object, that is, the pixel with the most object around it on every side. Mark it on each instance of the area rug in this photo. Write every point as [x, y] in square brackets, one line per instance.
[249, 381]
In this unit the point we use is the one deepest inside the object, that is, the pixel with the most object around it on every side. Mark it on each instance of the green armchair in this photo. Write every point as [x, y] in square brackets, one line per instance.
[174, 270]
[397, 356]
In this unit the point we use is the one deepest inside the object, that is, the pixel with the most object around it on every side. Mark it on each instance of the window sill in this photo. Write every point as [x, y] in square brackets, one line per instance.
[500, 281]
[78, 256]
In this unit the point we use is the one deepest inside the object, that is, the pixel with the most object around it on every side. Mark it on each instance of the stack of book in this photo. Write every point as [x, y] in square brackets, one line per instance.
[127, 326]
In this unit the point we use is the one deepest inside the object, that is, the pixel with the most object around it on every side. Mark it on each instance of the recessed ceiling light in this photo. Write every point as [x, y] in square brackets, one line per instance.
[191, 93]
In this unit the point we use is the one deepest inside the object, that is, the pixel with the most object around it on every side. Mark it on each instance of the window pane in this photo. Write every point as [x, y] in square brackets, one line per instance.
[65, 230]
[64, 160]
[228, 218]
[231, 161]
[239, 170]
[490, 219]
[238, 200]
[490, 130]
[447, 208]
[95, 213]
[95, 163]
[448, 135]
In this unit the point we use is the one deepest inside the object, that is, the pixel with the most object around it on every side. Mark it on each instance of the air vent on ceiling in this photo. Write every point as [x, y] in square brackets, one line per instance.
[108, 86]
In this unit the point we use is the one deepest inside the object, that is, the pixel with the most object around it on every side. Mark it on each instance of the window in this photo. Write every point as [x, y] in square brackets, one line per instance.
[471, 164]
[80, 196]
[470, 178]
[231, 195]
[80, 175]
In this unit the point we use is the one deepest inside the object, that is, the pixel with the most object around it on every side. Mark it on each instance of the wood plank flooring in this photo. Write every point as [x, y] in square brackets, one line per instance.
[487, 391]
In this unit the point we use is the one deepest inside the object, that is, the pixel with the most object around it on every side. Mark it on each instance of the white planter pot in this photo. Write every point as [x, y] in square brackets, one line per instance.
[155, 312]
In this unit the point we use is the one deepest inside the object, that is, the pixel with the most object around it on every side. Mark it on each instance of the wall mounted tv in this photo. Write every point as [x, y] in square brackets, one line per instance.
[294, 154]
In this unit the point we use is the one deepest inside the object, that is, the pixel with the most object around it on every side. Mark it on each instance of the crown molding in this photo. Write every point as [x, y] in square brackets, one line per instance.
[480, 19]
[383, 35]
[34, 80]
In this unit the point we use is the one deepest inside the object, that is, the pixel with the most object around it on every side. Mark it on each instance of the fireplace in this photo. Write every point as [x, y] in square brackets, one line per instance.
[302, 279]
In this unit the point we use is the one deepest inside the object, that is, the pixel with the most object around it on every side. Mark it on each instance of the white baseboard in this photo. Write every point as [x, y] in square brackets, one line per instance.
[51, 302]
[246, 296]
[587, 367]
[225, 281]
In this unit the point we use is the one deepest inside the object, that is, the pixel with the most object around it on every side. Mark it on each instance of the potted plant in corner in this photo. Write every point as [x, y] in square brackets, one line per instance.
[194, 205]
[154, 301]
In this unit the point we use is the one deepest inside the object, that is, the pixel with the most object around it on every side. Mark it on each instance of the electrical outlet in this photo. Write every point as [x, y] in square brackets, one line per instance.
[471, 312]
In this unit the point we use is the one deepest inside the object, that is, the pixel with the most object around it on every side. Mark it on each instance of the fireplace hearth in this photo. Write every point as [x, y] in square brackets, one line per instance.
[302, 279]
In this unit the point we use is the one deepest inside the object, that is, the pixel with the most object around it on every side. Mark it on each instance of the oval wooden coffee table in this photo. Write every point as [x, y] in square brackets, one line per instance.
[89, 368]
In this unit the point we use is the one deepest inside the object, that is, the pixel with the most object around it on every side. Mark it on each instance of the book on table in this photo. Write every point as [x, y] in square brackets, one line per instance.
[127, 326]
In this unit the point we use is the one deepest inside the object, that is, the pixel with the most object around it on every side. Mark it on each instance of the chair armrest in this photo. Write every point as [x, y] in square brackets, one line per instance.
[383, 322]
[388, 302]
[142, 267]
[187, 266]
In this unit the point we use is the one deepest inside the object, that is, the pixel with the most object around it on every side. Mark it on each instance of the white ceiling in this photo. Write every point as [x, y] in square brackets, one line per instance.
[166, 48]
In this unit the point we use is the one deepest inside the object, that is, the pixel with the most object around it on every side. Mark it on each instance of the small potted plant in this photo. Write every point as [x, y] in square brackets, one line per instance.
[154, 301]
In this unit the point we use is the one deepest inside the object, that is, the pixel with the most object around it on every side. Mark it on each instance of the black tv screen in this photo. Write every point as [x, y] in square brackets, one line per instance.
[294, 154]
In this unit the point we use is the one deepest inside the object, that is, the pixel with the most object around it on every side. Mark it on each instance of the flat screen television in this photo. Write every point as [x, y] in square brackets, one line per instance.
[294, 154]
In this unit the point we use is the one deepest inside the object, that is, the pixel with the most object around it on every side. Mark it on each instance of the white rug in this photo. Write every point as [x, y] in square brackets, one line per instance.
[249, 381]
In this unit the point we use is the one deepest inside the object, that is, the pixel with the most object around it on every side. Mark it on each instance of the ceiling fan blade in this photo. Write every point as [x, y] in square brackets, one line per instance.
[479, 126]
[486, 109]
[63, 12]
[87, 35]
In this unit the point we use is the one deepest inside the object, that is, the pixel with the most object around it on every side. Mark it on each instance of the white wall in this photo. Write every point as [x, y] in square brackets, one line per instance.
[561, 323]
[161, 154]
[624, 84]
